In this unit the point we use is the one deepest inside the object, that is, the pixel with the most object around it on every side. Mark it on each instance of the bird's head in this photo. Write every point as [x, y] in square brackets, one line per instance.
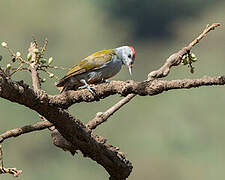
[127, 55]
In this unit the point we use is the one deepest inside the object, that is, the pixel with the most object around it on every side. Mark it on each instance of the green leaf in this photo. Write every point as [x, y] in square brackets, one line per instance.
[50, 60]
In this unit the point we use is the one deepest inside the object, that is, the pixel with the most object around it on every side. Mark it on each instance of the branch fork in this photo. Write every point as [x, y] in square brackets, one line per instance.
[71, 134]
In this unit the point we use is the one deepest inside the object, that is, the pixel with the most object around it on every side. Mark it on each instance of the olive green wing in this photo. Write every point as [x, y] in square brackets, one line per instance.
[92, 62]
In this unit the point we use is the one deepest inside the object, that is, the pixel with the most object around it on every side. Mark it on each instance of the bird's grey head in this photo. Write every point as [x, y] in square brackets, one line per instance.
[127, 56]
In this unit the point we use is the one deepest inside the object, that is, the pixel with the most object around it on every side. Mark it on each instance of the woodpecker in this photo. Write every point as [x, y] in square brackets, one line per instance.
[96, 68]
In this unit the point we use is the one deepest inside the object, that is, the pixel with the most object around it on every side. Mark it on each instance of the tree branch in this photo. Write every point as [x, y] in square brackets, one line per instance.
[175, 59]
[15, 172]
[144, 88]
[71, 128]
[151, 88]
[25, 129]
[57, 138]
[34, 66]
[78, 136]
[102, 117]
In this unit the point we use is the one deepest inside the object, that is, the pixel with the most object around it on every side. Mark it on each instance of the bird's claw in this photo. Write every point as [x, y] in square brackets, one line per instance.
[91, 89]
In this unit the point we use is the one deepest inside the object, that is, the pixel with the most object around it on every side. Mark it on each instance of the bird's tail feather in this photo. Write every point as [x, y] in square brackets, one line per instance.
[63, 87]
[61, 82]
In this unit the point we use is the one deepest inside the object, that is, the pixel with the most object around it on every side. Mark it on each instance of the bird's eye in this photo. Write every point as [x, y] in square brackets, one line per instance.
[129, 55]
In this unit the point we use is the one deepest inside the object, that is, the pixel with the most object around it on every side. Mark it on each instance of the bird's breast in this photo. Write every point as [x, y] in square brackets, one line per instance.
[111, 68]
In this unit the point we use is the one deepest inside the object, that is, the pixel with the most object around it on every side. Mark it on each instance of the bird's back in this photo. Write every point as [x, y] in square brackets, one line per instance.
[93, 62]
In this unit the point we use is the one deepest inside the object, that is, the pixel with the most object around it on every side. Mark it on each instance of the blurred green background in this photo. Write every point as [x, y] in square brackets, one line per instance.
[177, 135]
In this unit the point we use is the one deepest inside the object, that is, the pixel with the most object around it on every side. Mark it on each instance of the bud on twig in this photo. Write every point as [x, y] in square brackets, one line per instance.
[8, 66]
[18, 54]
[4, 44]
[51, 75]
[50, 60]
[43, 80]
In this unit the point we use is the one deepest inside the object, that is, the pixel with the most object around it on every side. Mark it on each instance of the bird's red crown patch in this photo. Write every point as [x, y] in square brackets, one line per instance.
[133, 51]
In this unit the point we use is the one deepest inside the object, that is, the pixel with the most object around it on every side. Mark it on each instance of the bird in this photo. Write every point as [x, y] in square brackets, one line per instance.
[97, 68]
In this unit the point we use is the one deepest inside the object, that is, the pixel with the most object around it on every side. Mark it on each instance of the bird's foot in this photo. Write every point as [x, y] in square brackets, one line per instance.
[91, 89]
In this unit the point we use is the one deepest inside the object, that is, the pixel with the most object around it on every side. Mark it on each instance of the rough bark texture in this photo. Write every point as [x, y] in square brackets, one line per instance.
[72, 129]
[70, 133]
[25, 129]
[151, 87]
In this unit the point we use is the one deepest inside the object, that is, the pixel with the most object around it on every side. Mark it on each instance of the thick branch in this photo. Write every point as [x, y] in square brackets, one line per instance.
[102, 117]
[144, 88]
[72, 129]
[151, 88]
[57, 138]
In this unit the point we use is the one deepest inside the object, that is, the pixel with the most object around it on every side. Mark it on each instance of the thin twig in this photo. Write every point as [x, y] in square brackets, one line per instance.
[4, 170]
[54, 67]
[76, 132]
[25, 129]
[17, 69]
[1, 156]
[44, 46]
[21, 69]
[102, 117]
[175, 59]
[92, 124]
[35, 41]
[23, 61]
[153, 88]
[49, 73]
[13, 54]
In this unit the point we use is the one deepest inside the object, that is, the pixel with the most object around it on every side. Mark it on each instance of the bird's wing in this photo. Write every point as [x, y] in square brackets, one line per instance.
[92, 62]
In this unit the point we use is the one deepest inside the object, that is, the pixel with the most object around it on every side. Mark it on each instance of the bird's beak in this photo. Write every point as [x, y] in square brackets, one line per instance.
[130, 69]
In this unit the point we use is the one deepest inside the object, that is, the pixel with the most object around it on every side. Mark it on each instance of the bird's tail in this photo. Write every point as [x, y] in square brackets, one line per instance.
[65, 84]
[62, 84]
